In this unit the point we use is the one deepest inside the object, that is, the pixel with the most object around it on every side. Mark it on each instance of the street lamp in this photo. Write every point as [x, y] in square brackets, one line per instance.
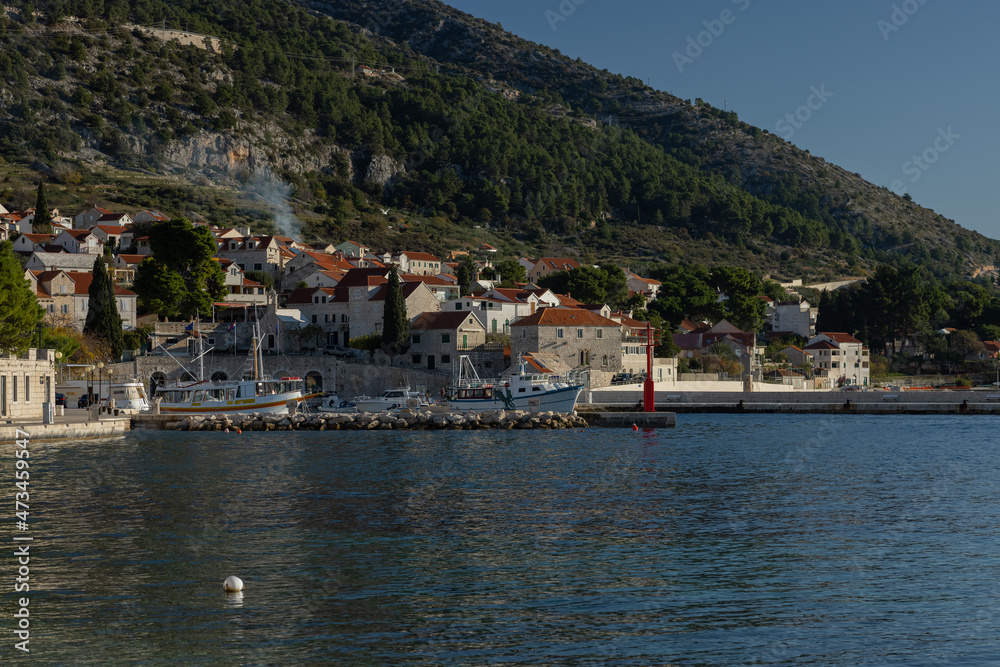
[100, 381]
[90, 383]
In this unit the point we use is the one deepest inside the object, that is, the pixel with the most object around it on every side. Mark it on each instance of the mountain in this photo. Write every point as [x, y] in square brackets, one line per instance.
[316, 119]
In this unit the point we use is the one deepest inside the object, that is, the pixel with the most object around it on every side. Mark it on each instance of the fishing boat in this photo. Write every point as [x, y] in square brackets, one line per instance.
[536, 392]
[253, 393]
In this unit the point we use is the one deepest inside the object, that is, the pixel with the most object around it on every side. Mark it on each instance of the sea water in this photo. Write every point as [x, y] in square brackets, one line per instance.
[729, 540]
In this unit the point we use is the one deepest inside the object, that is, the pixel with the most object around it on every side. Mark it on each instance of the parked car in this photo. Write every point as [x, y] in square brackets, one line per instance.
[341, 351]
[84, 402]
[61, 399]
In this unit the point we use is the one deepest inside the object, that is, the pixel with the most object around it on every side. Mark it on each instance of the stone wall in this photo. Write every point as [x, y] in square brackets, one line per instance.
[25, 383]
[346, 378]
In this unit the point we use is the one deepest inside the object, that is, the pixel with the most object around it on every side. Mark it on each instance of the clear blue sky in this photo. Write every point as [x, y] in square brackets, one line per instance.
[896, 76]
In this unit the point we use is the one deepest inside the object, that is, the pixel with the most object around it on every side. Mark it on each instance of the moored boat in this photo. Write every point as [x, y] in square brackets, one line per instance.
[392, 399]
[537, 392]
[254, 393]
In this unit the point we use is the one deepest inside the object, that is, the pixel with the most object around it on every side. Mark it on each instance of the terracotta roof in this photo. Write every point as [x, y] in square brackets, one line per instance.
[111, 229]
[427, 280]
[82, 284]
[132, 259]
[550, 317]
[559, 263]
[841, 337]
[822, 345]
[78, 234]
[422, 256]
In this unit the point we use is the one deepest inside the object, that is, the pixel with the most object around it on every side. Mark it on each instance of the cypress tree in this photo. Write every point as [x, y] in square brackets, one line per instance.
[42, 224]
[103, 319]
[19, 309]
[395, 323]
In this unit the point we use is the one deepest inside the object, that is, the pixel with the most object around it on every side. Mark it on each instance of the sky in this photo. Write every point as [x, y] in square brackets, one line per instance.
[900, 92]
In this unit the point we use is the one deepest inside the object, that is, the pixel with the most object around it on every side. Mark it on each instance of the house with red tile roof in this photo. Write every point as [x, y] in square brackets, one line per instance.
[65, 297]
[580, 338]
[548, 265]
[80, 241]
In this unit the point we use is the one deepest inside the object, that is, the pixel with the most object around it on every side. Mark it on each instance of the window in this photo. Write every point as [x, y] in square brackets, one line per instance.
[600, 333]
[62, 289]
[416, 359]
[27, 389]
[14, 385]
[64, 309]
[52, 308]
[445, 338]
[326, 319]
[445, 358]
[482, 305]
[257, 266]
[458, 305]
[604, 361]
[559, 333]
[315, 318]
[579, 333]
[416, 340]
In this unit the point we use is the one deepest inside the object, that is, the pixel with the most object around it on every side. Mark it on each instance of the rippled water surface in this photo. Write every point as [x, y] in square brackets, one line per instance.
[729, 540]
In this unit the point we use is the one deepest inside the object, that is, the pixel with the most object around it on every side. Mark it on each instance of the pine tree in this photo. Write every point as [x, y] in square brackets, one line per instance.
[103, 319]
[395, 324]
[19, 309]
[42, 223]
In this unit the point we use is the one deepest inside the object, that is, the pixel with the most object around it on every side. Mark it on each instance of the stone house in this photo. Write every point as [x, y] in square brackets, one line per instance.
[26, 382]
[580, 338]
[436, 338]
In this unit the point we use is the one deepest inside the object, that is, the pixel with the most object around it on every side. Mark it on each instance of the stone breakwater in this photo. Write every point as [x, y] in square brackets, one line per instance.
[368, 421]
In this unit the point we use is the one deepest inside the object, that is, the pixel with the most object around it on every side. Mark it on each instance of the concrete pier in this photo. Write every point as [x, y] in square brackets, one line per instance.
[627, 419]
[74, 425]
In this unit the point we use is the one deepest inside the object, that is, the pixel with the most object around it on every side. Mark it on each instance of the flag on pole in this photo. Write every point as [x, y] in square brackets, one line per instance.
[189, 327]
[232, 326]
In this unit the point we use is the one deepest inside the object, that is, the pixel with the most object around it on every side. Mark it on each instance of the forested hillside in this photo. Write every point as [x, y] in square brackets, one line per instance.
[410, 124]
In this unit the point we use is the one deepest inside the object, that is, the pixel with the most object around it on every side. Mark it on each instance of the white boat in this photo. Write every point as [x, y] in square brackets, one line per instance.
[130, 397]
[334, 404]
[537, 392]
[230, 396]
[392, 399]
[254, 393]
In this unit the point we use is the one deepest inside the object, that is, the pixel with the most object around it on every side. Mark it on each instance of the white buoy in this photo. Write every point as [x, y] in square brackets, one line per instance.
[232, 584]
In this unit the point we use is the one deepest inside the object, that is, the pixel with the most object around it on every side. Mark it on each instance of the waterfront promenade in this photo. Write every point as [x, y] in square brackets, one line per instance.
[75, 424]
